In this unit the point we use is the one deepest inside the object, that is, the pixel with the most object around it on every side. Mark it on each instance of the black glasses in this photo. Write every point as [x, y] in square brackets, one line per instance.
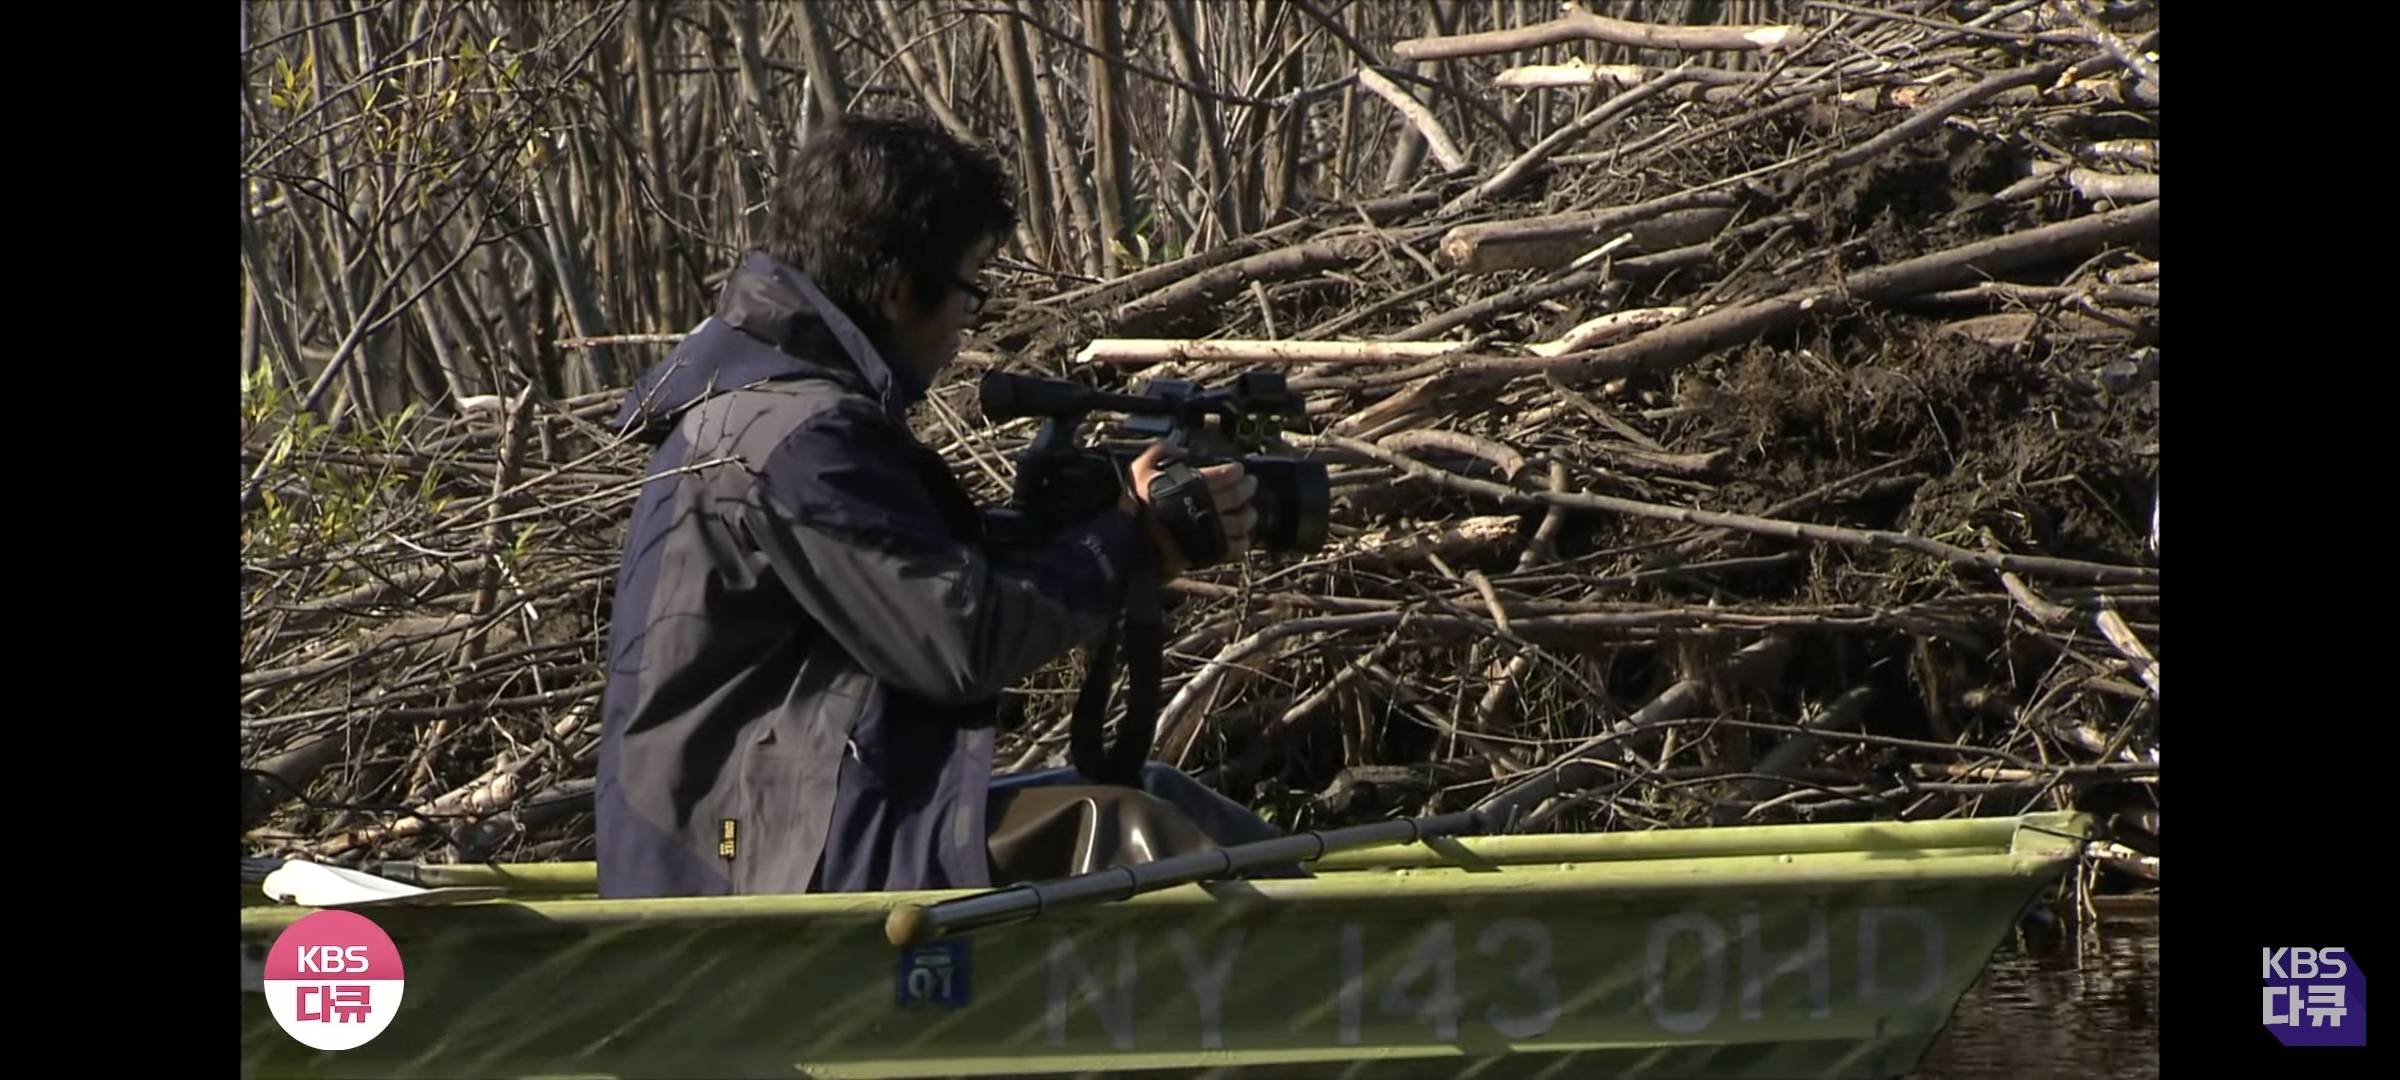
[976, 294]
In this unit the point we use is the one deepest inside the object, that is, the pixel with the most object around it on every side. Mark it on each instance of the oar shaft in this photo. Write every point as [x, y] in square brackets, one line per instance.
[915, 924]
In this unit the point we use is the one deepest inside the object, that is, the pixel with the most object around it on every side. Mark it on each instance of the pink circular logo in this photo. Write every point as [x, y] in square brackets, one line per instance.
[333, 980]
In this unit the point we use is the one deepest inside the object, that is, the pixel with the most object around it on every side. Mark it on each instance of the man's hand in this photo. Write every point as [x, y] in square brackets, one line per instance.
[1227, 487]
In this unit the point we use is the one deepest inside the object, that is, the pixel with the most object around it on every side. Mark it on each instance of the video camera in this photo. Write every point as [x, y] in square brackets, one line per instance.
[1060, 483]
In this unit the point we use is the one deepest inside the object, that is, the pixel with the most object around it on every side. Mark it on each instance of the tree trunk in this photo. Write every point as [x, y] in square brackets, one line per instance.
[1291, 123]
[1112, 160]
[1041, 202]
[764, 156]
[662, 249]
[1408, 151]
[824, 65]
[574, 280]
[927, 92]
[1082, 240]
[1217, 179]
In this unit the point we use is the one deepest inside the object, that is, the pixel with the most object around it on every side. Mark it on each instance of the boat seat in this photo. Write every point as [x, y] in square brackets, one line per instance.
[1053, 823]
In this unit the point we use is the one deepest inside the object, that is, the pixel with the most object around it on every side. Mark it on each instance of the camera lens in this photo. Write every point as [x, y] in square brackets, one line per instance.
[1293, 500]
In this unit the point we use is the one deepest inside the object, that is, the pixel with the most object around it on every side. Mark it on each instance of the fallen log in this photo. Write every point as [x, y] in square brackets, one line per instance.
[1413, 544]
[1502, 303]
[1576, 24]
[1673, 345]
[1797, 752]
[1243, 351]
[2121, 638]
[2011, 328]
[2113, 187]
[2104, 770]
[2135, 58]
[1614, 326]
[1436, 138]
[1214, 285]
[1579, 72]
[1932, 115]
[2070, 569]
[406, 588]
[291, 770]
[1610, 279]
[1571, 398]
[1636, 459]
[1387, 783]
[480, 841]
[1499, 456]
[1556, 239]
[1515, 172]
[2009, 294]
[2126, 860]
[1528, 803]
[2137, 152]
[1164, 274]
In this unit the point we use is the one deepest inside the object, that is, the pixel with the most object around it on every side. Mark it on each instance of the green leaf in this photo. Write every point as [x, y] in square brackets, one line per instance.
[516, 551]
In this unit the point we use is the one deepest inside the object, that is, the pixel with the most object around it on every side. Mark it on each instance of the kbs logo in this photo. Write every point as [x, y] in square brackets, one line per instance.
[333, 980]
[2314, 997]
[332, 959]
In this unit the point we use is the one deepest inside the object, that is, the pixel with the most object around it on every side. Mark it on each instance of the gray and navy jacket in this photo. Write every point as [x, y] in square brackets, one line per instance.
[810, 633]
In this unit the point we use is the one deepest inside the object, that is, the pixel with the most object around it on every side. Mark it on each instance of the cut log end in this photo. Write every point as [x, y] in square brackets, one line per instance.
[1771, 38]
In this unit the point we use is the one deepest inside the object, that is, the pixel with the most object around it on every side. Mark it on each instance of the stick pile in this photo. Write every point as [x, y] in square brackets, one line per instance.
[1764, 428]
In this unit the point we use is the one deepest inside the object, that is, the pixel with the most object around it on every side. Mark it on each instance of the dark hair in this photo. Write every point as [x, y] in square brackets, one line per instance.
[870, 199]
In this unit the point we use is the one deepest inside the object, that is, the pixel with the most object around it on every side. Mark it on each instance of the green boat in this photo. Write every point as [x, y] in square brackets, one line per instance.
[1834, 950]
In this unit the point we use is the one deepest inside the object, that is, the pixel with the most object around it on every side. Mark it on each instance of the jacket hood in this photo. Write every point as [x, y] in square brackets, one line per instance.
[769, 303]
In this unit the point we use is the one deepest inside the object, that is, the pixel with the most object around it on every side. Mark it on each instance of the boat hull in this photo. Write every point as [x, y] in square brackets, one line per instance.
[1817, 951]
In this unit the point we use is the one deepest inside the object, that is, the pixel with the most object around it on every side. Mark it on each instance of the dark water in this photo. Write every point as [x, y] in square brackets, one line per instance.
[2082, 1004]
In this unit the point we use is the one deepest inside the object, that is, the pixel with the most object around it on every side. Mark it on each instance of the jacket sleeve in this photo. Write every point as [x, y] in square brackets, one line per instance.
[855, 535]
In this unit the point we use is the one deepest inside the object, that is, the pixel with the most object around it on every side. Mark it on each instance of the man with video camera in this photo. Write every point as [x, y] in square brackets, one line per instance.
[811, 629]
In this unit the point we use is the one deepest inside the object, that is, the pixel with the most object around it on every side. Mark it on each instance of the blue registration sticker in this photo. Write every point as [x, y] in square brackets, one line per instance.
[933, 974]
